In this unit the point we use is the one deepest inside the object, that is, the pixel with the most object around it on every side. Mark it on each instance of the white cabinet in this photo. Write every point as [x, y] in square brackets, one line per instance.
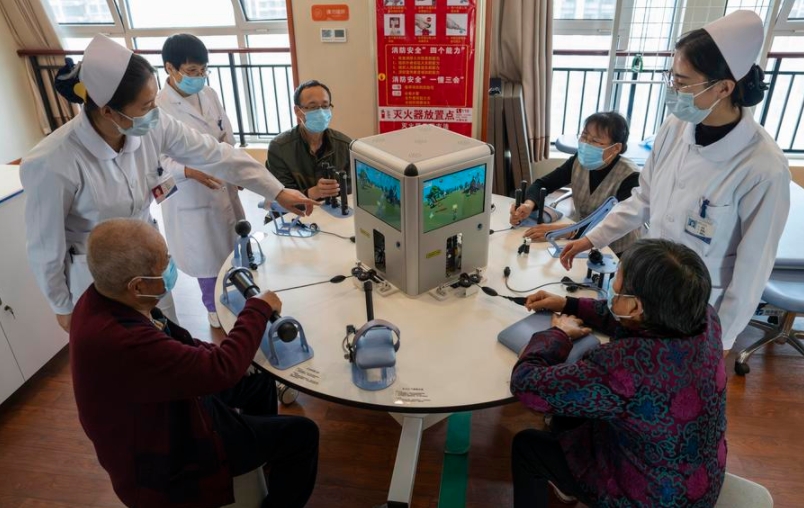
[26, 319]
[10, 375]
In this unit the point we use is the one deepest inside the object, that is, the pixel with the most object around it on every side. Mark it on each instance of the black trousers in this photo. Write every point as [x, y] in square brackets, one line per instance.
[288, 445]
[536, 458]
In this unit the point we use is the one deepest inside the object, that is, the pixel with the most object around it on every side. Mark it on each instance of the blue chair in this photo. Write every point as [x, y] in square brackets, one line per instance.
[784, 290]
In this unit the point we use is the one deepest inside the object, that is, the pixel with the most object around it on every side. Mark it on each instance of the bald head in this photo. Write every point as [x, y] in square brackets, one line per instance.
[121, 249]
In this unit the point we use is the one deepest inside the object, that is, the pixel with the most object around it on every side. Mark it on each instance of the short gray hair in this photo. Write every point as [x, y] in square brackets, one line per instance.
[121, 249]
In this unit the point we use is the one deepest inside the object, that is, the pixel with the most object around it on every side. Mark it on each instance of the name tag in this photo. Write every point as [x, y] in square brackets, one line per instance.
[164, 189]
[700, 228]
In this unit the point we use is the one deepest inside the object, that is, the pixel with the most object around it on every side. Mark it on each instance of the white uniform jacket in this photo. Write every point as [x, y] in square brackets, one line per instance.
[745, 178]
[199, 221]
[73, 180]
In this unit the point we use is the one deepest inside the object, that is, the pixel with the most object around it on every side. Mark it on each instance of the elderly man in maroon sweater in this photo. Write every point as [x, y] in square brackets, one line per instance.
[158, 404]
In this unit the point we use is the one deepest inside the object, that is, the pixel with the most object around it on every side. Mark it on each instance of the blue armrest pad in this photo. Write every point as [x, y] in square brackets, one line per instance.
[549, 216]
[376, 349]
[517, 336]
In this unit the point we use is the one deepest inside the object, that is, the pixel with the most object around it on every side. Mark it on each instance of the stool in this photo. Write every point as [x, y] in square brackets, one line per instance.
[741, 493]
[249, 490]
[784, 290]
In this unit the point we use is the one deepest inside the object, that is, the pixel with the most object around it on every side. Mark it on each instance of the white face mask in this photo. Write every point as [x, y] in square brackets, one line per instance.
[682, 105]
[141, 124]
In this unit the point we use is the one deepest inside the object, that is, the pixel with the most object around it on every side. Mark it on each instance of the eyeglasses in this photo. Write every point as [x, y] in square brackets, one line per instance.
[195, 73]
[669, 79]
[325, 107]
[585, 138]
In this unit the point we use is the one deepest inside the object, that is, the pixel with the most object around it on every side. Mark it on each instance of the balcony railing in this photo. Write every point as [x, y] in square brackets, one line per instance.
[258, 97]
[579, 91]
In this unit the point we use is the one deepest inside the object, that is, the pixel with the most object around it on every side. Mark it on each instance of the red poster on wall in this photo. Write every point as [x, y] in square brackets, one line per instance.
[426, 62]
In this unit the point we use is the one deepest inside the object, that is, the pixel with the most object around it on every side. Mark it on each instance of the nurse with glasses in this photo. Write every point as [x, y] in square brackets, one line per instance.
[715, 181]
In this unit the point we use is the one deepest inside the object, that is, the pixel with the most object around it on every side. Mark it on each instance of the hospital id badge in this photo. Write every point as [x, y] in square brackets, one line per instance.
[699, 227]
[165, 189]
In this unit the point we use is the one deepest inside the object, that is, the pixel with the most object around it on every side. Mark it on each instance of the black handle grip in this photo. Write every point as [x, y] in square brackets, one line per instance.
[242, 280]
[540, 206]
[517, 198]
[368, 288]
[523, 185]
[344, 203]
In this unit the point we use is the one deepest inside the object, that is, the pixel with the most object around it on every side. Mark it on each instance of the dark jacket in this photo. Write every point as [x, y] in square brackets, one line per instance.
[654, 408]
[290, 160]
[138, 393]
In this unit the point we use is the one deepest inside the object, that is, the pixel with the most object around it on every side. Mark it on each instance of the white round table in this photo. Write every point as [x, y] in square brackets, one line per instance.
[449, 359]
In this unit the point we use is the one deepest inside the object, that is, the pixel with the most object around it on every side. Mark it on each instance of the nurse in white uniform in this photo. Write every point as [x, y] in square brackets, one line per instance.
[715, 180]
[200, 220]
[104, 164]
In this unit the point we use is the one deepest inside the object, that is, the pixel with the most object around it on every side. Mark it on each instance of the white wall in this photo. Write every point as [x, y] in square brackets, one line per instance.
[346, 68]
[19, 127]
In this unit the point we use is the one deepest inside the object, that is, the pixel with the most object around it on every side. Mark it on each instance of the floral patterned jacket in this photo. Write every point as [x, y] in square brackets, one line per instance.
[655, 410]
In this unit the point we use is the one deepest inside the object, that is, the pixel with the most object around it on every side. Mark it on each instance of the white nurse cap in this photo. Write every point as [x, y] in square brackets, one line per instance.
[102, 69]
[739, 37]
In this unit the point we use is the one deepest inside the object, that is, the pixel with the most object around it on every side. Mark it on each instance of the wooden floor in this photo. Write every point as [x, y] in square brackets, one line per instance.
[47, 461]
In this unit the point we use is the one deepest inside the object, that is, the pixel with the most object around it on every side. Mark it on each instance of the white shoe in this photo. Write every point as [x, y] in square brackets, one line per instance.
[564, 498]
[213, 319]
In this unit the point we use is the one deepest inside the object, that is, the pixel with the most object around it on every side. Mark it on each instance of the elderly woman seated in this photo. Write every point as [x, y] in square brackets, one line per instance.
[642, 417]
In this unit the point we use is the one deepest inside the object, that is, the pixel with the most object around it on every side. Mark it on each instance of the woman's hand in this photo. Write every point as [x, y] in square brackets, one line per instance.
[571, 325]
[296, 202]
[572, 249]
[203, 178]
[543, 300]
[64, 321]
[521, 213]
[539, 232]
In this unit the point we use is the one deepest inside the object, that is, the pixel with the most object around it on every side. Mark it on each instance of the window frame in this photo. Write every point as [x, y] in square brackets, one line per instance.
[122, 27]
[784, 26]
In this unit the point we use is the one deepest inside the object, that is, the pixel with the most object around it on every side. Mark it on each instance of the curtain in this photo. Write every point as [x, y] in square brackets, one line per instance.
[32, 28]
[522, 52]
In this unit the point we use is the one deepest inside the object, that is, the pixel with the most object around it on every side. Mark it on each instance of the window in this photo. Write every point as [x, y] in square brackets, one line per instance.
[584, 9]
[83, 12]
[180, 13]
[797, 11]
[256, 92]
[264, 10]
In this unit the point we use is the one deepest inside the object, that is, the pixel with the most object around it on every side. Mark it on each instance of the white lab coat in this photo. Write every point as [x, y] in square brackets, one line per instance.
[73, 180]
[746, 179]
[199, 221]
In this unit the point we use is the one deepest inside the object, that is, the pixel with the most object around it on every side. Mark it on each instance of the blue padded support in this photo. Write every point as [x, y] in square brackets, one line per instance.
[589, 222]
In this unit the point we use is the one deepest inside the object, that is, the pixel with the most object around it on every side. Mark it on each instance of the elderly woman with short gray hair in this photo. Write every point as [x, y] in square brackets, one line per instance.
[647, 409]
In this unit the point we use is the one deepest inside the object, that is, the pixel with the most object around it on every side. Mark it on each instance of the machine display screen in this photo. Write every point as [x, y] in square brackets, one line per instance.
[453, 197]
[379, 194]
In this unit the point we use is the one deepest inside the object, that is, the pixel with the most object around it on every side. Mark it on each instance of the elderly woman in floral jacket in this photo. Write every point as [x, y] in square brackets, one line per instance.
[648, 408]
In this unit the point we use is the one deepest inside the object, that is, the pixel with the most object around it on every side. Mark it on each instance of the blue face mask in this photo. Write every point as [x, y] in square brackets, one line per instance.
[169, 278]
[191, 85]
[141, 124]
[590, 156]
[682, 105]
[610, 295]
[318, 120]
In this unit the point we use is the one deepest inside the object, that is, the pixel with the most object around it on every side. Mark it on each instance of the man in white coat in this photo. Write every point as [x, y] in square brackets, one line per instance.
[715, 180]
[199, 221]
[104, 164]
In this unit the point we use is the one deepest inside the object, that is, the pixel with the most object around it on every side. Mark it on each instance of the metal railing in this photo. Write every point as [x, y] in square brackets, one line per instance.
[258, 97]
[578, 91]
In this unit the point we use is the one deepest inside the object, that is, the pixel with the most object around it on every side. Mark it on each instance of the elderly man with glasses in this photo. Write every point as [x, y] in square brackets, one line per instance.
[158, 405]
[309, 156]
